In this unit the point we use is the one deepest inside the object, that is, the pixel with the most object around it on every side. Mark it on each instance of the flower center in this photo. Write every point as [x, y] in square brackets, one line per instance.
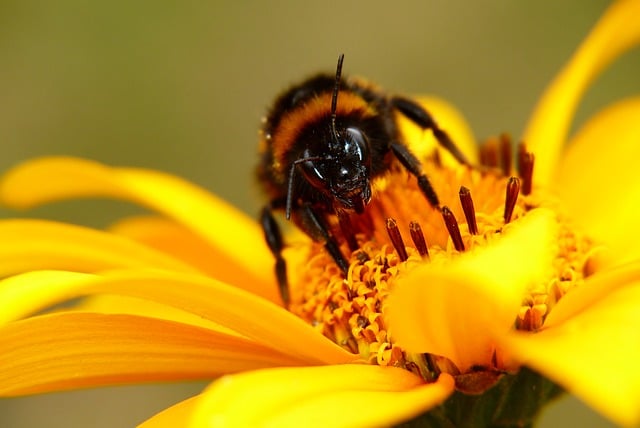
[400, 230]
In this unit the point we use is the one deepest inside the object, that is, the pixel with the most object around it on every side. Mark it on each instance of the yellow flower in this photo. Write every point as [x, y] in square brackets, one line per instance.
[548, 280]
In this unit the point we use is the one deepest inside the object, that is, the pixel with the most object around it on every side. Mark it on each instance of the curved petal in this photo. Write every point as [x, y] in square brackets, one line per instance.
[57, 178]
[598, 177]
[117, 304]
[74, 350]
[595, 288]
[174, 416]
[28, 293]
[182, 243]
[40, 244]
[245, 313]
[449, 119]
[344, 395]
[454, 310]
[593, 355]
[616, 32]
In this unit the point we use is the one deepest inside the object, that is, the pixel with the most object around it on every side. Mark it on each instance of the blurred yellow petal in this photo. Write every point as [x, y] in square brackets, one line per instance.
[74, 350]
[449, 119]
[453, 310]
[337, 396]
[183, 244]
[247, 314]
[40, 244]
[223, 226]
[598, 178]
[174, 416]
[593, 355]
[616, 32]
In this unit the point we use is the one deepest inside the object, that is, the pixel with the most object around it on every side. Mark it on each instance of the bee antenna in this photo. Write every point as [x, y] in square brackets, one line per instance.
[292, 172]
[334, 97]
[291, 181]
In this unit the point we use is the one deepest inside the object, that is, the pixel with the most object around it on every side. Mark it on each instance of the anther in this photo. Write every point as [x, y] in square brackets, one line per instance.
[513, 189]
[489, 153]
[531, 320]
[437, 158]
[452, 226]
[396, 239]
[469, 210]
[362, 321]
[505, 153]
[525, 168]
[418, 238]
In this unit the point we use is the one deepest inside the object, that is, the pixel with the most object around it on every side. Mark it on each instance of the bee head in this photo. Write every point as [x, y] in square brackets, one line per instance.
[342, 172]
[336, 164]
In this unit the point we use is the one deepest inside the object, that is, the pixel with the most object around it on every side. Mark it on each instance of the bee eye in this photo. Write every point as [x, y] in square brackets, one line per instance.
[357, 145]
[314, 172]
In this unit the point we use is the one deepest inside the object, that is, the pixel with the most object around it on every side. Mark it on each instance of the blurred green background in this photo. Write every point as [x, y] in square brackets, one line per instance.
[181, 87]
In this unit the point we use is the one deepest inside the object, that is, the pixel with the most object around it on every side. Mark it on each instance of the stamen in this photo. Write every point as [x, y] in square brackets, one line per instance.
[505, 153]
[418, 238]
[352, 344]
[452, 226]
[362, 321]
[437, 159]
[531, 319]
[522, 150]
[347, 230]
[513, 189]
[469, 210]
[489, 153]
[396, 239]
[525, 168]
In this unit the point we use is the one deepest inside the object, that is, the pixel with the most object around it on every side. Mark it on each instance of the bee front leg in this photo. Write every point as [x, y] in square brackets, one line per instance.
[316, 228]
[418, 115]
[273, 236]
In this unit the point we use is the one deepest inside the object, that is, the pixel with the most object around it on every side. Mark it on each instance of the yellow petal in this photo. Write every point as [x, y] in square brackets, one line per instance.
[74, 350]
[28, 293]
[39, 244]
[336, 396]
[183, 244]
[113, 304]
[595, 288]
[454, 310]
[598, 178]
[174, 416]
[448, 118]
[57, 178]
[615, 33]
[243, 312]
[593, 355]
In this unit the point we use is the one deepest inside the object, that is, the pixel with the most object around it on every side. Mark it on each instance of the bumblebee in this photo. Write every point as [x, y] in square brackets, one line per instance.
[322, 143]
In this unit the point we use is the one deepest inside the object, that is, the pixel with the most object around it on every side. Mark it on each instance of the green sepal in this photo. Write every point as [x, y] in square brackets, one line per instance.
[512, 400]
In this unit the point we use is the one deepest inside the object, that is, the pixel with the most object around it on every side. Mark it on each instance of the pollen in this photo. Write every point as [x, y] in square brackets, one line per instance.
[400, 230]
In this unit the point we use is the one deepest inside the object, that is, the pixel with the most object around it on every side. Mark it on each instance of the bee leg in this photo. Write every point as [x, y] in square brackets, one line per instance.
[412, 164]
[347, 229]
[273, 236]
[314, 226]
[423, 119]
